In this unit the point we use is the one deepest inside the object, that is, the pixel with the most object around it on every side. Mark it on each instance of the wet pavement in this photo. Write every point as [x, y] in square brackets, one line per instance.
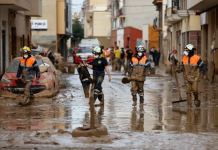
[157, 125]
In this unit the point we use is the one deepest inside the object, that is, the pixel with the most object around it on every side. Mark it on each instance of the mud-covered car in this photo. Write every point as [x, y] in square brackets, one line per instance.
[48, 83]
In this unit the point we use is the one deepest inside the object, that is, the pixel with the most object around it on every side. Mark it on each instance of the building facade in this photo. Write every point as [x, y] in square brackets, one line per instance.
[128, 19]
[209, 25]
[15, 27]
[183, 27]
[97, 22]
[159, 26]
[57, 29]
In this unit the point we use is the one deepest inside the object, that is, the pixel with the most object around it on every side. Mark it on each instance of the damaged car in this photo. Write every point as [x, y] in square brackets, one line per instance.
[48, 85]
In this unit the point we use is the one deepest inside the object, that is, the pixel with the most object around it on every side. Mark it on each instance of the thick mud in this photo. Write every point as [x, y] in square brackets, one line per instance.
[48, 123]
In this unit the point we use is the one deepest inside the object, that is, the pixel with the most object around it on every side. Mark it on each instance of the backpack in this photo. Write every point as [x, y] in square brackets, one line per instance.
[168, 57]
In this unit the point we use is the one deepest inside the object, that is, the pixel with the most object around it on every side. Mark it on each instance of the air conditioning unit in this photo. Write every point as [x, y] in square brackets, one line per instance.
[204, 18]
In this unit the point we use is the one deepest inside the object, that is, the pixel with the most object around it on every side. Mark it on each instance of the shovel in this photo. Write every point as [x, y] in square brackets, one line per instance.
[177, 82]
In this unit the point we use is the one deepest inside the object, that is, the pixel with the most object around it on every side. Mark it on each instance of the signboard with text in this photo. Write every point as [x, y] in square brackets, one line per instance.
[39, 24]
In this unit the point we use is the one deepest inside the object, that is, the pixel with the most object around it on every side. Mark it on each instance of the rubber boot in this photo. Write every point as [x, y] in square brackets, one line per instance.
[189, 100]
[141, 101]
[134, 98]
[196, 101]
[95, 97]
[101, 98]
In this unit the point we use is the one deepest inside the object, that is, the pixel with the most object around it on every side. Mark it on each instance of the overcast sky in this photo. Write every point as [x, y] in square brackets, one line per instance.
[77, 8]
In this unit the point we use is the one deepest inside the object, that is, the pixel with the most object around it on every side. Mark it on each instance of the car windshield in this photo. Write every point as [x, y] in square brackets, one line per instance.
[84, 51]
[15, 63]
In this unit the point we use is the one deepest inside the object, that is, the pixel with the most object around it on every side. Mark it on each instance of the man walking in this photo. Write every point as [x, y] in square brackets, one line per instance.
[128, 57]
[117, 61]
[137, 74]
[122, 57]
[28, 68]
[191, 66]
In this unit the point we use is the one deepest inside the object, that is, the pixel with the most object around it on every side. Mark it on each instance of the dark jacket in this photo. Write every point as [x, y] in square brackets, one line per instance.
[28, 69]
[51, 57]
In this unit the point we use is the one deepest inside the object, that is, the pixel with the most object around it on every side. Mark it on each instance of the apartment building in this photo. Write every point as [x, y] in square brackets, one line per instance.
[15, 28]
[127, 20]
[209, 33]
[97, 22]
[159, 25]
[53, 29]
[183, 27]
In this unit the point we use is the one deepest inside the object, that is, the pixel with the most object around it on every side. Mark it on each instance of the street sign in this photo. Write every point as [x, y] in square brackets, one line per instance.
[39, 24]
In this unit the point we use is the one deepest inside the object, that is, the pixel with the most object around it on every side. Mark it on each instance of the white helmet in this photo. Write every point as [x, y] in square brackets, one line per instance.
[97, 50]
[140, 48]
[189, 47]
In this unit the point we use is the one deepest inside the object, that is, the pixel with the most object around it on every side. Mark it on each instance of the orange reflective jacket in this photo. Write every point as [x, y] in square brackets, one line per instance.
[142, 61]
[27, 62]
[193, 60]
[138, 71]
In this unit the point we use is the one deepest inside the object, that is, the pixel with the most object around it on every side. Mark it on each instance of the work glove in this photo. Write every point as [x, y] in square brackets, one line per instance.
[37, 80]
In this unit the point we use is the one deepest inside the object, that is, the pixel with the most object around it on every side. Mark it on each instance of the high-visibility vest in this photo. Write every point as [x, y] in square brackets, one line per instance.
[193, 60]
[142, 61]
[27, 63]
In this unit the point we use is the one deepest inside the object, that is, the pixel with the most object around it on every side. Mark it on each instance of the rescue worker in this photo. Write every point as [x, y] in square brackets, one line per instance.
[173, 60]
[122, 58]
[191, 65]
[128, 57]
[137, 74]
[117, 61]
[99, 66]
[103, 51]
[112, 58]
[28, 69]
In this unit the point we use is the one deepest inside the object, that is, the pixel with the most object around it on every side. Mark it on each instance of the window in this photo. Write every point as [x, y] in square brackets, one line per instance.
[66, 15]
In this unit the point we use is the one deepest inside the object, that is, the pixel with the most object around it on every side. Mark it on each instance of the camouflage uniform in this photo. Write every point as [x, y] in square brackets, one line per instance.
[191, 72]
[28, 69]
[137, 75]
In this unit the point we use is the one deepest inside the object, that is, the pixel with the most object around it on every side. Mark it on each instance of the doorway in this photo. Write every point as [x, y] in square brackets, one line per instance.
[14, 43]
[3, 50]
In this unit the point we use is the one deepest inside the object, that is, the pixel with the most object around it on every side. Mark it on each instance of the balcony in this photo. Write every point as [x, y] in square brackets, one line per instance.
[157, 2]
[35, 9]
[18, 5]
[201, 5]
[176, 12]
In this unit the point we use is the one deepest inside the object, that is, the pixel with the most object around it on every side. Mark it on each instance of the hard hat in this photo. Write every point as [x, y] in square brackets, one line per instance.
[26, 49]
[189, 47]
[97, 50]
[140, 48]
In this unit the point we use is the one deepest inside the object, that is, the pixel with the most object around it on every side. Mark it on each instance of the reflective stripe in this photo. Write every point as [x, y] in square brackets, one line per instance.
[201, 64]
[26, 66]
[190, 65]
[147, 63]
[139, 64]
[193, 60]
[86, 79]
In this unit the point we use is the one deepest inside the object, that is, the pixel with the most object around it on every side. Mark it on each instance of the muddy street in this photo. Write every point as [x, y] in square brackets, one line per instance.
[49, 122]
